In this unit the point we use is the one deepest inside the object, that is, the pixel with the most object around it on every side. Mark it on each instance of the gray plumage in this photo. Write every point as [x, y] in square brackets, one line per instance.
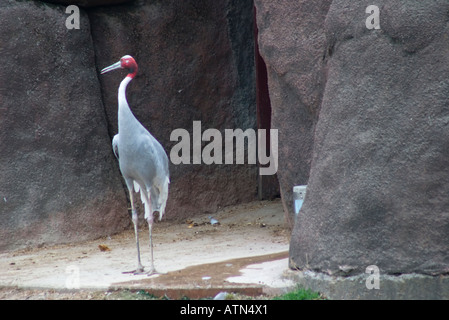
[142, 160]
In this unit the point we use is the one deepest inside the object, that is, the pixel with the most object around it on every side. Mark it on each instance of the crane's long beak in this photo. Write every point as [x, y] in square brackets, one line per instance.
[115, 66]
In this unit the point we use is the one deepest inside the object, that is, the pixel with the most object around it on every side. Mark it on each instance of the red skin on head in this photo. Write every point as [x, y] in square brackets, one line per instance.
[130, 64]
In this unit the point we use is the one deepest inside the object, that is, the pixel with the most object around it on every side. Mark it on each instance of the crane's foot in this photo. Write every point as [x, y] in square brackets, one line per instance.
[139, 270]
[135, 272]
[153, 272]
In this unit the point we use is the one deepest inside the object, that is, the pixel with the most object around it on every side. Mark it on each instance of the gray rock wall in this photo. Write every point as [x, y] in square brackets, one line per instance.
[291, 41]
[379, 178]
[195, 65]
[60, 181]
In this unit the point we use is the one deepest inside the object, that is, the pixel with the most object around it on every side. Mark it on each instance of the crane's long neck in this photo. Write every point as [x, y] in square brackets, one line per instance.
[126, 119]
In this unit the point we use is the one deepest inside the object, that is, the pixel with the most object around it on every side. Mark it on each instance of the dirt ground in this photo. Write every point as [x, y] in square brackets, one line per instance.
[246, 253]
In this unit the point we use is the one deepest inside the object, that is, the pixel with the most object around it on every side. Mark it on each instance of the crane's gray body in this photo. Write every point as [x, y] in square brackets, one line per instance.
[142, 159]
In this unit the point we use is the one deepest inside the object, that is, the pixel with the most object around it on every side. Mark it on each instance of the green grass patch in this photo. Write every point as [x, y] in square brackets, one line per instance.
[300, 294]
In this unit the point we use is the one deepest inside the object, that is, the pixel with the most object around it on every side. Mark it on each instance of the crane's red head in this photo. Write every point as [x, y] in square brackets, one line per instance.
[126, 62]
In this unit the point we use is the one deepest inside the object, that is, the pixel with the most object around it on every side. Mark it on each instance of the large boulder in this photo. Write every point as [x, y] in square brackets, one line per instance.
[379, 181]
[292, 44]
[58, 178]
[196, 63]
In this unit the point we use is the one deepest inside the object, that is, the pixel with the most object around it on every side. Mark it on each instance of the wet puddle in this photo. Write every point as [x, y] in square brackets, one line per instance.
[202, 281]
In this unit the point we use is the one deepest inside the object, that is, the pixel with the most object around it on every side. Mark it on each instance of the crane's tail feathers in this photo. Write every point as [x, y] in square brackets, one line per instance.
[158, 202]
[143, 198]
[147, 207]
[163, 197]
[136, 187]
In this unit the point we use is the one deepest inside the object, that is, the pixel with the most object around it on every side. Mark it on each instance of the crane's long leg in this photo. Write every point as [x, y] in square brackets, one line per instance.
[150, 220]
[150, 228]
[136, 232]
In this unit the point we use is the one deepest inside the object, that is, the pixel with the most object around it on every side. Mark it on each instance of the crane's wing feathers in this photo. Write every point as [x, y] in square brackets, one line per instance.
[144, 165]
[153, 150]
[136, 186]
[115, 146]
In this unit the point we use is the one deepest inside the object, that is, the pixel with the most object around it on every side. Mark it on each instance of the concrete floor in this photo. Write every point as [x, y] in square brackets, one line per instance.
[246, 253]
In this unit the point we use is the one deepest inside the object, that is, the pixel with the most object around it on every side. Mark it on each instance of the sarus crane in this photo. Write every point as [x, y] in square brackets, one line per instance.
[142, 160]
